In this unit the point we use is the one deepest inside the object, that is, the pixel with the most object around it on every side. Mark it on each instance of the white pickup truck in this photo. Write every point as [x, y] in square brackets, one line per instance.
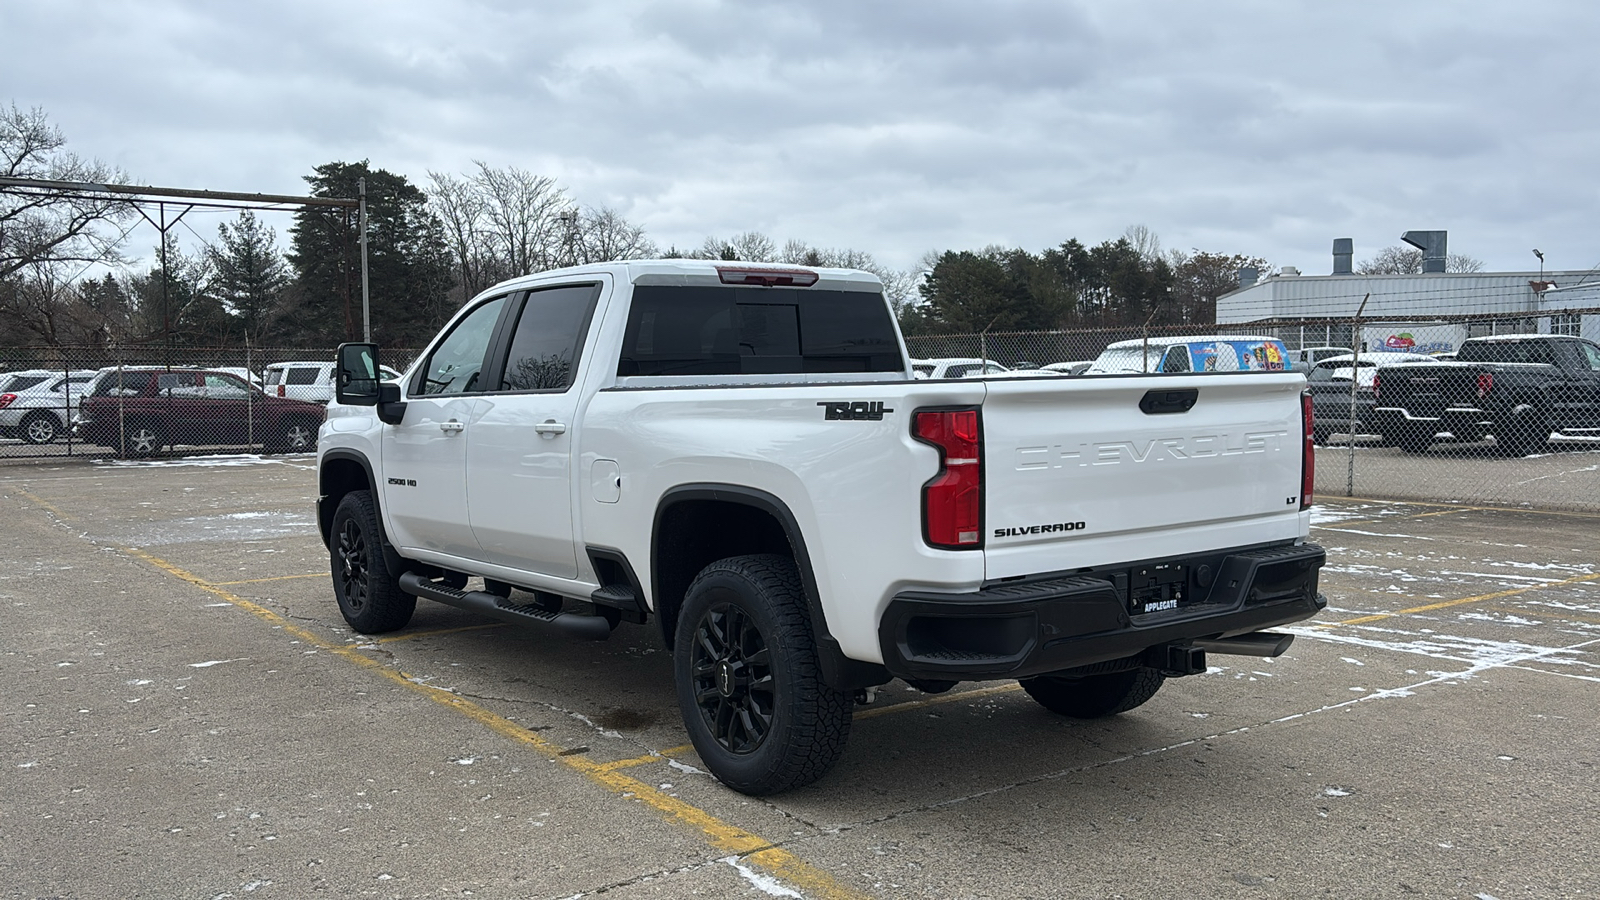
[742, 454]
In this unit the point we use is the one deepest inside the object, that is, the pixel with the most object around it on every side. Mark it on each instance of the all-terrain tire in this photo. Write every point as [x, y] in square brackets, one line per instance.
[369, 598]
[1094, 696]
[1414, 440]
[1525, 430]
[41, 427]
[749, 684]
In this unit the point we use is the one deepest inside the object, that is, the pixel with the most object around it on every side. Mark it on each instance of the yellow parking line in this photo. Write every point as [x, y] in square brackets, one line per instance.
[265, 580]
[720, 835]
[44, 504]
[1446, 604]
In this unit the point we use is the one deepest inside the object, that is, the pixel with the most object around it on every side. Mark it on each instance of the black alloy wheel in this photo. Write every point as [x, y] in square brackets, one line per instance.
[733, 683]
[350, 564]
[749, 683]
[369, 598]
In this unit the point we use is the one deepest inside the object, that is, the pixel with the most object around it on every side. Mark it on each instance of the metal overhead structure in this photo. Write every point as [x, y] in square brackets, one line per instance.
[139, 196]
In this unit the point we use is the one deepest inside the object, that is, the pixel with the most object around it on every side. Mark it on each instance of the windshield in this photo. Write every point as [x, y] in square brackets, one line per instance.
[1126, 359]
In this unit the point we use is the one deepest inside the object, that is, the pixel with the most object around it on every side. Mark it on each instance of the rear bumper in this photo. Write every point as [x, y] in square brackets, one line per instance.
[1017, 630]
[1463, 422]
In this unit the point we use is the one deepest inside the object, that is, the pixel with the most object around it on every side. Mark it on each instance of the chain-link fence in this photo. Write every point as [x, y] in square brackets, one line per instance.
[1514, 421]
[157, 401]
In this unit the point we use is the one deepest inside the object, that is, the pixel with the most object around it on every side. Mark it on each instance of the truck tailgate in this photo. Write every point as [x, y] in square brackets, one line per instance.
[1077, 474]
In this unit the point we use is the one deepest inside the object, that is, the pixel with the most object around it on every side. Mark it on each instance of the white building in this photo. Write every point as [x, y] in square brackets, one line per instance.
[1428, 312]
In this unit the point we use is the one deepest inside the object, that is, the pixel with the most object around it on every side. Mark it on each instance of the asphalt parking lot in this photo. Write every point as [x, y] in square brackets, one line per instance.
[186, 716]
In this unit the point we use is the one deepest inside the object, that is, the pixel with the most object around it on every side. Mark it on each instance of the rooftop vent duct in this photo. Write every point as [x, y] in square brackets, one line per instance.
[1432, 244]
[1248, 275]
[1343, 250]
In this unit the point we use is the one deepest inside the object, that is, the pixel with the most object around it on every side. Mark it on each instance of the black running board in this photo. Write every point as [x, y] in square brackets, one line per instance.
[588, 628]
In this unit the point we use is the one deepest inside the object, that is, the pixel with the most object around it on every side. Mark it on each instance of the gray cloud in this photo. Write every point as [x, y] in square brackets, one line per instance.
[1234, 127]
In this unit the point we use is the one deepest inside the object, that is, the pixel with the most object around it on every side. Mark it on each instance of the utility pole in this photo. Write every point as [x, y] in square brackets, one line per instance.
[366, 296]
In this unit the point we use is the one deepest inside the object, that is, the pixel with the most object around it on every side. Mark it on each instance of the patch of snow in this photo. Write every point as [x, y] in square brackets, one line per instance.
[766, 884]
[211, 662]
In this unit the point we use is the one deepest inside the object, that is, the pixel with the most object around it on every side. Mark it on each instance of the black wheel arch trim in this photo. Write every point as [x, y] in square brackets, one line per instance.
[325, 510]
[838, 671]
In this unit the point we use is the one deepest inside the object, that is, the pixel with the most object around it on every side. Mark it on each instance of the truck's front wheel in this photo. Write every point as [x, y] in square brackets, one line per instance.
[748, 681]
[369, 599]
[1094, 696]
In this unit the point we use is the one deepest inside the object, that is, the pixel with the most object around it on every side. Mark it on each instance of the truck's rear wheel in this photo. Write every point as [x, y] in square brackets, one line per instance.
[1415, 439]
[1525, 429]
[748, 681]
[1094, 696]
[369, 599]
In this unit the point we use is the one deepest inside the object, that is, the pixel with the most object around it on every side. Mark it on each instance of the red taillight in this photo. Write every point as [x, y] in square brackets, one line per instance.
[1308, 453]
[280, 391]
[768, 276]
[1375, 387]
[5, 400]
[1485, 384]
[952, 501]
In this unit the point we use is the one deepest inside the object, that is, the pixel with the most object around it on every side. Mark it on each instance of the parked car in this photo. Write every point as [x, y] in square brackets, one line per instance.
[1331, 396]
[1069, 368]
[1214, 353]
[312, 381]
[40, 414]
[138, 411]
[1306, 358]
[13, 382]
[956, 367]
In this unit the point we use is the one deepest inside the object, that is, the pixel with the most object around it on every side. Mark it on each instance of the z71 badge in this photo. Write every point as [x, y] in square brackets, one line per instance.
[862, 410]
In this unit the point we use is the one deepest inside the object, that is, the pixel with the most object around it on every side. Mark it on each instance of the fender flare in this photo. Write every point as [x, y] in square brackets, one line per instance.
[838, 670]
[391, 557]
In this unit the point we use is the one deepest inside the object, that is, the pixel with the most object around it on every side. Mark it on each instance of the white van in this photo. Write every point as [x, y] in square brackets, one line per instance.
[1211, 353]
[311, 381]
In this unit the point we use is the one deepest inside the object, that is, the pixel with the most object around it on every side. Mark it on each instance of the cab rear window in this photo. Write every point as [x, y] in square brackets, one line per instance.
[706, 330]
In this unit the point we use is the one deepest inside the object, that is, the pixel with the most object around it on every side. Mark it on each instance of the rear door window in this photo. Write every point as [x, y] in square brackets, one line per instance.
[707, 330]
[548, 340]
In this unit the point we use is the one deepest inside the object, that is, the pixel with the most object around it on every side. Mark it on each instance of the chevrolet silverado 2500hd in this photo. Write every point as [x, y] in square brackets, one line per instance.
[741, 453]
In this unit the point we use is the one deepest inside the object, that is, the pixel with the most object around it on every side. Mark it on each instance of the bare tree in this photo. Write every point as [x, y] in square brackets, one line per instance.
[1145, 242]
[1398, 260]
[49, 226]
[459, 207]
[604, 235]
[504, 223]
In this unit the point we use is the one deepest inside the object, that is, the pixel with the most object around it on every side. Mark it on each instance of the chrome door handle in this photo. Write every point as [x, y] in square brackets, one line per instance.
[549, 428]
[451, 427]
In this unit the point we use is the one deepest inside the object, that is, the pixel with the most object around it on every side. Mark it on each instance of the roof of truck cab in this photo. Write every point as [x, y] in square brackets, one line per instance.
[1193, 339]
[694, 272]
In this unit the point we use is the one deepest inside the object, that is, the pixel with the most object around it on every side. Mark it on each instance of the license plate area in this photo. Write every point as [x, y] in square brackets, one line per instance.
[1154, 588]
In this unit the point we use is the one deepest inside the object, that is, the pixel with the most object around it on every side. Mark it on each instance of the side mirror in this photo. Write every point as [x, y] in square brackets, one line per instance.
[356, 380]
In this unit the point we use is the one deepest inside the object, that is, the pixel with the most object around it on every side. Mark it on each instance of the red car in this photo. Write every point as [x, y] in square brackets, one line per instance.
[138, 411]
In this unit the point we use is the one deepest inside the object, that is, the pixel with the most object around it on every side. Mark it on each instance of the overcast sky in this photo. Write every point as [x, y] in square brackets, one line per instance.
[1263, 128]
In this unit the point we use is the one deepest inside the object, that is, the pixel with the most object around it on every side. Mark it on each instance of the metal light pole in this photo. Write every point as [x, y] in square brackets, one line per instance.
[366, 297]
